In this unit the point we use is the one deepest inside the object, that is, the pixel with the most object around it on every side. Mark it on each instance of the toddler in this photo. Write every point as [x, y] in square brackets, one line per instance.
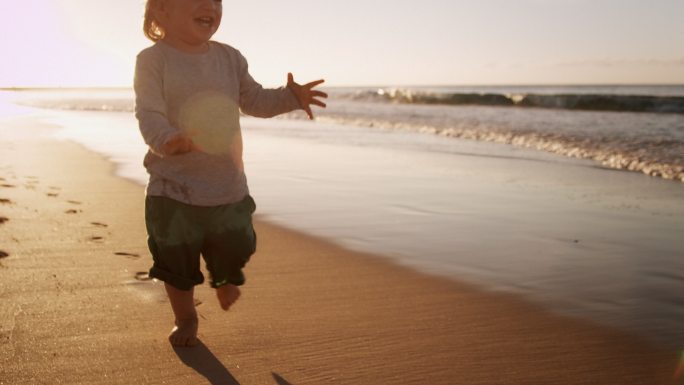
[189, 93]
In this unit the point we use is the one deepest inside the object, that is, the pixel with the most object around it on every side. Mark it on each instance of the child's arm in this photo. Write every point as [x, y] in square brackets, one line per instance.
[150, 109]
[266, 103]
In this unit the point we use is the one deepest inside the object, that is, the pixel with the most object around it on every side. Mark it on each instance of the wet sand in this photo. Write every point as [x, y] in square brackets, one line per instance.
[76, 307]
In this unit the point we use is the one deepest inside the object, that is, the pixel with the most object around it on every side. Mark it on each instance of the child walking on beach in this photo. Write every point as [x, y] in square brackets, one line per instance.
[189, 93]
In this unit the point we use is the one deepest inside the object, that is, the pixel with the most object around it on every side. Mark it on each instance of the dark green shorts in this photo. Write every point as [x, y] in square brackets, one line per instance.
[178, 233]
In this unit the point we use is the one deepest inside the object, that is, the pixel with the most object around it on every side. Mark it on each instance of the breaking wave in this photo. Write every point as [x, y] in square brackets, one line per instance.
[587, 102]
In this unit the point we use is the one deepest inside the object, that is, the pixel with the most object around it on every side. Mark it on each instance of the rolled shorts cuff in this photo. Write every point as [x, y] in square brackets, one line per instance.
[235, 281]
[180, 283]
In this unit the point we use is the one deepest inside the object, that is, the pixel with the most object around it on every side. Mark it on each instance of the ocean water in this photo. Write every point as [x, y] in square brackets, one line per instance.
[636, 128]
[380, 175]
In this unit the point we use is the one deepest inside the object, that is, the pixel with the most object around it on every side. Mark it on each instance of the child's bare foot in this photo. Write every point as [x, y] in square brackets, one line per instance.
[227, 295]
[184, 334]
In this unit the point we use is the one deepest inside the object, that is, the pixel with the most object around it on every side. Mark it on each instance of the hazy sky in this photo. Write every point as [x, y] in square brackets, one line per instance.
[365, 42]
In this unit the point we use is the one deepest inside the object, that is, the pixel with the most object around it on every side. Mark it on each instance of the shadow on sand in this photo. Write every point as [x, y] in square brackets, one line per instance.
[205, 363]
[280, 380]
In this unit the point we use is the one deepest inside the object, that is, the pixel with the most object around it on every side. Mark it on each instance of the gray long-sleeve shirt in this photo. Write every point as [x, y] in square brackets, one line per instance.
[199, 95]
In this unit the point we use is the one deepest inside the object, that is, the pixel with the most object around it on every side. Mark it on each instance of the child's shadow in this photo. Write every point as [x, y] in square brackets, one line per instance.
[280, 380]
[205, 363]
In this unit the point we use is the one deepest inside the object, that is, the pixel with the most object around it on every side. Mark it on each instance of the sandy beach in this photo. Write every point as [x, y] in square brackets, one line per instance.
[76, 307]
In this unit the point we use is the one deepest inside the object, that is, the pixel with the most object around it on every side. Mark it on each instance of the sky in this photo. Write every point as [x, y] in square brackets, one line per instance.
[69, 43]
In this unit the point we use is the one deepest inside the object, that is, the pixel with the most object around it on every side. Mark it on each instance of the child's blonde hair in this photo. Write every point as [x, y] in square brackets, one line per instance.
[151, 27]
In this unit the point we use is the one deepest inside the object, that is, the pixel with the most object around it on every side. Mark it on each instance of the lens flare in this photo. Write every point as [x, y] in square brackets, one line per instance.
[211, 120]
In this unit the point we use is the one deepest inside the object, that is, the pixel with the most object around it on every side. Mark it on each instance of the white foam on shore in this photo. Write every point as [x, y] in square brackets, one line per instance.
[583, 240]
[649, 143]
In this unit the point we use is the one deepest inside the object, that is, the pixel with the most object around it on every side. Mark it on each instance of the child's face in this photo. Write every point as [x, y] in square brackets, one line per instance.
[190, 23]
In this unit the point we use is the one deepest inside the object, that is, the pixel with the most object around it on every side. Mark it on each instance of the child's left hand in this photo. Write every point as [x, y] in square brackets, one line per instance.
[306, 95]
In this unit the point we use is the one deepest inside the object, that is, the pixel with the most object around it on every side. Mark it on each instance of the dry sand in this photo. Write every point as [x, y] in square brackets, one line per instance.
[73, 312]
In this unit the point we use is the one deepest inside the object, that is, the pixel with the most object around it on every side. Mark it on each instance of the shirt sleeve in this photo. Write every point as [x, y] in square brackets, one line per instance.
[260, 102]
[150, 106]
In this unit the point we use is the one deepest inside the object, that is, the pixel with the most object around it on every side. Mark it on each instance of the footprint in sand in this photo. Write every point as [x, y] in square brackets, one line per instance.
[53, 195]
[72, 211]
[74, 202]
[5, 201]
[31, 182]
[127, 255]
[147, 288]
[142, 276]
[3, 255]
[6, 185]
[99, 224]
[3, 220]
[96, 238]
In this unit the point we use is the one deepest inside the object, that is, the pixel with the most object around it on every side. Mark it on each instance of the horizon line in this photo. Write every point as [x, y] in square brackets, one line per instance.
[129, 87]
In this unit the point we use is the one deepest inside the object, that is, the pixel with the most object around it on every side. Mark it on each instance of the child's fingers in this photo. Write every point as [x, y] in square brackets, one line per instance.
[308, 112]
[319, 94]
[314, 83]
[318, 103]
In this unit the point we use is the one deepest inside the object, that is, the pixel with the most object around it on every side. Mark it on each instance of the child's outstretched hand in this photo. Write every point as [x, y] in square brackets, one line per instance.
[306, 95]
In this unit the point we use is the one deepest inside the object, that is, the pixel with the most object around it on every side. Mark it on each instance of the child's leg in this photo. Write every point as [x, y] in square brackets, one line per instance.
[175, 243]
[229, 242]
[183, 305]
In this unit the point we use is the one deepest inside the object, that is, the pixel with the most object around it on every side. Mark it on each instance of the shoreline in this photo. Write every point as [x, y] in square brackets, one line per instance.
[595, 225]
[312, 312]
[612, 149]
